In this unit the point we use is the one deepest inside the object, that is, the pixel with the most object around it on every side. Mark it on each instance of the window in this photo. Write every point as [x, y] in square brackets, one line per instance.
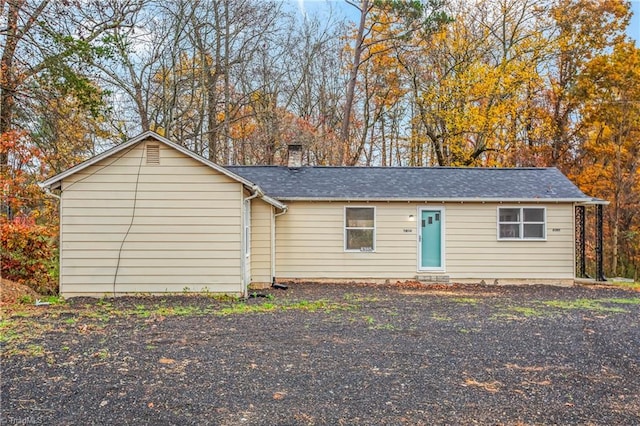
[521, 223]
[359, 228]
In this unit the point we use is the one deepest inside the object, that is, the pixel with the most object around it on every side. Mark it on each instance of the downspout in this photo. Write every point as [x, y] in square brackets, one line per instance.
[256, 192]
[273, 244]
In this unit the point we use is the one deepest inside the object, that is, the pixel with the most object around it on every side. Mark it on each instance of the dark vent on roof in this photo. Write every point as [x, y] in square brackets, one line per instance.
[153, 154]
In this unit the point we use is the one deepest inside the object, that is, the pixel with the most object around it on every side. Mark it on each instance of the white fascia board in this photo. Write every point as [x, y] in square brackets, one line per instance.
[91, 161]
[445, 200]
[277, 204]
[594, 201]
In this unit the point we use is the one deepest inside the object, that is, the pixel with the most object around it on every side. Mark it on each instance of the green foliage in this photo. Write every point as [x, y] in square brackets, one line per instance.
[623, 301]
[25, 299]
[585, 304]
[466, 300]
[302, 305]
[527, 311]
[440, 317]
[66, 82]
[53, 299]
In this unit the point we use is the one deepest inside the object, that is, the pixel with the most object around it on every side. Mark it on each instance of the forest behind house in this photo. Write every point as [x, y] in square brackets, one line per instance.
[483, 83]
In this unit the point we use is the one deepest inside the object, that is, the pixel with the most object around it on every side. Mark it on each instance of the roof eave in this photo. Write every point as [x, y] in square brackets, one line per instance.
[595, 201]
[442, 200]
[277, 204]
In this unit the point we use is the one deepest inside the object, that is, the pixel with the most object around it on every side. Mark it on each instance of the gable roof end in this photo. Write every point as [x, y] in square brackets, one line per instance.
[56, 181]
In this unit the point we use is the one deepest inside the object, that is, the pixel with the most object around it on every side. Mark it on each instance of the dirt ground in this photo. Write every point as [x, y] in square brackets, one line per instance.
[328, 354]
[11, 292]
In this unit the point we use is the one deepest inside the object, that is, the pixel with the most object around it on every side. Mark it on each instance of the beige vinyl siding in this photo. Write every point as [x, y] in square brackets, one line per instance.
[261, 214]
[473, 249]
[186, 231]
[310, 243]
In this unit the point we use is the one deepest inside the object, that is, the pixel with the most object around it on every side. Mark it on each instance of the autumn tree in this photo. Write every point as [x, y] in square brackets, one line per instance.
[471, 83]
[579, 31]
[315, 88]
[28, 225]
[65, 133]
[381, 91]
[400, 21]
[609, 161]
[48, 44]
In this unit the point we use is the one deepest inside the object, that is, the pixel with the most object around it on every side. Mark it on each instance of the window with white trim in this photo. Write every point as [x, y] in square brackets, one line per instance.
[359, 228]
[521, 223]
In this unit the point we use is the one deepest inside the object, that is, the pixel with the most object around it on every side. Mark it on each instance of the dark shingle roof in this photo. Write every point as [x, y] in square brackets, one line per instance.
[411, 183]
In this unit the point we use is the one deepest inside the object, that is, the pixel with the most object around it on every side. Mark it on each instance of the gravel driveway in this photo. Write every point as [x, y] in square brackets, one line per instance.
[329, 354]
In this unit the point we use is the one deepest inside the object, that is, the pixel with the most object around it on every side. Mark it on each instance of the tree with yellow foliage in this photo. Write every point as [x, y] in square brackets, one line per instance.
[382, 26]
[472, 81]
[609, 161]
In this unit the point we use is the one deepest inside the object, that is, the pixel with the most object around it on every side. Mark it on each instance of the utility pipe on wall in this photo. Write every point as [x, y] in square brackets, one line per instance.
[256, 192]
[273, 244]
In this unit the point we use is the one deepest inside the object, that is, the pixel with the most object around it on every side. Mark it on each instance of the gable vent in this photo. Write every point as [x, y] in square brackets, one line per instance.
[153, 154]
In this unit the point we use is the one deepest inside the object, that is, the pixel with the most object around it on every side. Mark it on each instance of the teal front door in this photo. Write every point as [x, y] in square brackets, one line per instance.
[431, 239]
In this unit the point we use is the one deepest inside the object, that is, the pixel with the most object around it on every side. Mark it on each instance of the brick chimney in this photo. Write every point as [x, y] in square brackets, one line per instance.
[295, 156]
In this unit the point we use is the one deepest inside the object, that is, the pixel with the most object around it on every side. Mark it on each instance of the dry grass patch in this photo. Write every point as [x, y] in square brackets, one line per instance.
[528, 368]
[492, 387]
[452, 293]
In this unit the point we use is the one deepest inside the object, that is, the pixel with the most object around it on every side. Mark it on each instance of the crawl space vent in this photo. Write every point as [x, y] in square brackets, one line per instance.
[153, 154]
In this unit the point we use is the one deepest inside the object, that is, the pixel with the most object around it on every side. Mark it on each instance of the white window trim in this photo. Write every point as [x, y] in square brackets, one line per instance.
[344, 228]
[521, 223]
[443, 239]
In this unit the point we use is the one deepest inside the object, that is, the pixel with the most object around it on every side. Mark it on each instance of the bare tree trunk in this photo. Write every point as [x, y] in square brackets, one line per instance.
[138, 98]
[8, 80]
[616, 200]
[228, 149]
[383, 142]
[7, 84]
[351, 86]
[212, 112]
[211, 70]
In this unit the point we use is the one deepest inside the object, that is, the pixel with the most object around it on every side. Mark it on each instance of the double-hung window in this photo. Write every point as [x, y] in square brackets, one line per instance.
[359, 229]
[521, 223]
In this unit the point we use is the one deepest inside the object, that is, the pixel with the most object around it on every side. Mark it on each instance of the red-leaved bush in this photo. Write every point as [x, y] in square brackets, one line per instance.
[29, 254]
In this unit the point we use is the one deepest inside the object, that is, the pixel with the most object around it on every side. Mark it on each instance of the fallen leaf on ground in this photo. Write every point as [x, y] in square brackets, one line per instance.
[488, 386]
